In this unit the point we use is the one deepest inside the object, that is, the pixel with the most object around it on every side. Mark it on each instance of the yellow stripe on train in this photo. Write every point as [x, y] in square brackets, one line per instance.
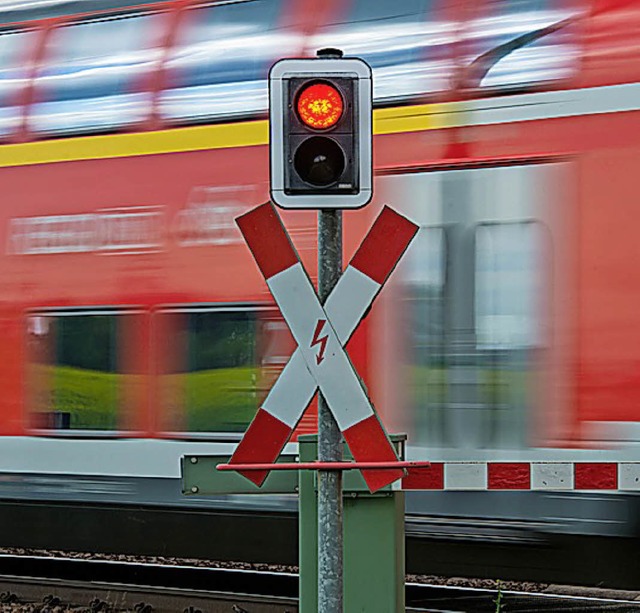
[199, 138]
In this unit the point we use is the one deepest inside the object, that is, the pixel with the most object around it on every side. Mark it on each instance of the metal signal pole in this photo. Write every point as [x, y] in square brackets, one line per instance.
[330, 541]
[320, 118]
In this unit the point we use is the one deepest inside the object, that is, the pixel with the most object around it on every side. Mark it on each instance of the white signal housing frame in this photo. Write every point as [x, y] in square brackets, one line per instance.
[320, 68]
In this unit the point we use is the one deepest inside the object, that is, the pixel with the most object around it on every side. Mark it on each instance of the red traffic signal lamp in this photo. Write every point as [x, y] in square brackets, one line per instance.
[320, 133]
[320, 105]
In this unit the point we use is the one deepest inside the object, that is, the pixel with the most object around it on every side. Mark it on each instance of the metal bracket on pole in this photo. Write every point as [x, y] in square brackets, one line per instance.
[201, 477]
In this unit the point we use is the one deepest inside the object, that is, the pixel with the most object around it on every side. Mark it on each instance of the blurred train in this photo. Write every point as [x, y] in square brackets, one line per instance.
[136, 327]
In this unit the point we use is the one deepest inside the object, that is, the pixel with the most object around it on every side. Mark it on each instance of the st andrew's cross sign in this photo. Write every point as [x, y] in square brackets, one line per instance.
[321, 332]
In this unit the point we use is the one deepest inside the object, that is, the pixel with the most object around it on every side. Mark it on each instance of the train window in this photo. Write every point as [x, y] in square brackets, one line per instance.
[425, 278]
[76, 370]
[550, 57]
[14, 48]
[507, 310]
[220, 63]
[505, 297]
[14, 12]
[406, 43]
[95, 75]
[477, 287]
[221, 362]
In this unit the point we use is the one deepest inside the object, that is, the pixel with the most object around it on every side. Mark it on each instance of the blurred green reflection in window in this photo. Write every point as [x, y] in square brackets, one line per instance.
[213, 369]
[220, 382]
[74, 377]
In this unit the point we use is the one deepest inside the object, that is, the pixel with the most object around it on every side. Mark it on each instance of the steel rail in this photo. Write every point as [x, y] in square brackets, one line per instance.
[127, 586]
[170, 588]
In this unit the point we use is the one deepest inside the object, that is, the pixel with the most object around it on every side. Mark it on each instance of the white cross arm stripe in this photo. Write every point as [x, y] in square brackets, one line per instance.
[294, 388]
[335, 375]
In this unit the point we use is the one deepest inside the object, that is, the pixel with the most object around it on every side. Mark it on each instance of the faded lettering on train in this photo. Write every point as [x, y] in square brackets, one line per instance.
[205, 220]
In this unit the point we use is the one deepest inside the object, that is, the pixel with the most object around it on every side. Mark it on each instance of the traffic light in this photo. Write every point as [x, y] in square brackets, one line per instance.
[320, 133]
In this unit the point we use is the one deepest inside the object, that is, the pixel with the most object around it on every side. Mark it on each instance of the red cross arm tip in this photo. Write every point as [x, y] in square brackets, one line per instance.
[267, 240]
[384, 244]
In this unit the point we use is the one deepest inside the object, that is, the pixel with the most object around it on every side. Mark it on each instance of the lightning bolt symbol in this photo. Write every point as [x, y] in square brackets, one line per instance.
[320, 340]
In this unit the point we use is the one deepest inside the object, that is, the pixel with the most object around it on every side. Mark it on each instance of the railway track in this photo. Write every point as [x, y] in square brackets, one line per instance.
[435, 546]
[99, 585]
[450, 599]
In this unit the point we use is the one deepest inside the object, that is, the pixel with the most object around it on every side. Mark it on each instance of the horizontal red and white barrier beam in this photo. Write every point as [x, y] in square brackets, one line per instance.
[524, 476]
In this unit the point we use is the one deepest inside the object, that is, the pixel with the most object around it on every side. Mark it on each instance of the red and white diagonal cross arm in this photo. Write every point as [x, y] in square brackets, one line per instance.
[321, 334]
[354, 293]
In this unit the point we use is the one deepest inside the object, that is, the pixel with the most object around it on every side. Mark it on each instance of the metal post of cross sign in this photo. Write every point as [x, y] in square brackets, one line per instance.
[321, 362]
[321, 159]
[330, 516]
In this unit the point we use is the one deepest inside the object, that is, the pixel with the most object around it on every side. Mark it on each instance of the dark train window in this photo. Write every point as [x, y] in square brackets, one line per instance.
[14, 51]
[76, 370]
[217, 364]
[406, 43]
[94, 75]
[551, 57]
[221, 59]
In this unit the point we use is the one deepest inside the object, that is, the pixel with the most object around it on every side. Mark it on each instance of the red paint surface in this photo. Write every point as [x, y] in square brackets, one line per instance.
[383, 246]
[338, 465]
[426, 478]
[610, 49]
[509, 476]
[596, 476]
[262, 443]
[368, 442]
[608, 373]
[263, 230]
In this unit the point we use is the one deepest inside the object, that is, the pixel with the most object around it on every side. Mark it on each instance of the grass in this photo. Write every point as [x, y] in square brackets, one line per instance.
[225, 399]
[90, 397]
[222, 399]
[498, 601]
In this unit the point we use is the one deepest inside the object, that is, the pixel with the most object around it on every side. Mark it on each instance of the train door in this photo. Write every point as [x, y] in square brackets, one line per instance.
[483, 341]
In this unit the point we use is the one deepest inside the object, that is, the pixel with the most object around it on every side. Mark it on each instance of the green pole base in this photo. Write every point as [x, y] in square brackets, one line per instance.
[374, 544]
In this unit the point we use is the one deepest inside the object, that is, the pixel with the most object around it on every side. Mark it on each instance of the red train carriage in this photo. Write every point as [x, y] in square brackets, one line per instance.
[131, 308]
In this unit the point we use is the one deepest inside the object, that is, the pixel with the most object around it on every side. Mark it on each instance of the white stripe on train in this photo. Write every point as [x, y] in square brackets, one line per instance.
[552, 105]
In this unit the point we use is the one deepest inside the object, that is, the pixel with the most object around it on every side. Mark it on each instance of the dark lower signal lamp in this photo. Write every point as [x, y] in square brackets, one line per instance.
[319, 161]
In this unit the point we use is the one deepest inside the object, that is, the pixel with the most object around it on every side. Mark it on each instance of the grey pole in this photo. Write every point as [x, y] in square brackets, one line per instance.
[330, 535]
[330, 555]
